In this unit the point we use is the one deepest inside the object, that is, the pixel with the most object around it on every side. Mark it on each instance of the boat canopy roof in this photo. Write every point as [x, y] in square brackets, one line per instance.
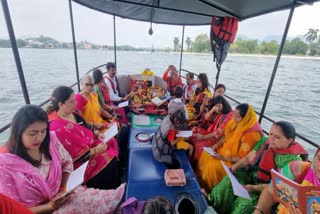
[188, 12]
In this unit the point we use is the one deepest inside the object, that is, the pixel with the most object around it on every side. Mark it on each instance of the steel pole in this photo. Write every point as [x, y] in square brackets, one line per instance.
[114, 40]
[181, 53]
[275, 67]
[15, 50]
[74, 44]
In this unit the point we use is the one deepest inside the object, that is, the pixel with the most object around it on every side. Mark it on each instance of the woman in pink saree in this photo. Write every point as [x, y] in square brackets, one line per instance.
[80, 140]
[36, 168]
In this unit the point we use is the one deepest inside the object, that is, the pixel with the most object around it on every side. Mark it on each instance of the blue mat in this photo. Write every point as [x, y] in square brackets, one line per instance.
[146, 190]
[134, 143]
[143, 167]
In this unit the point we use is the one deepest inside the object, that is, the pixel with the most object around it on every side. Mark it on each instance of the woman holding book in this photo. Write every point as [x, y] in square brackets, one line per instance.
[36, 169]
[80, 139]
[219, 115]
[242, 132]
[253, 170]
[304, 173]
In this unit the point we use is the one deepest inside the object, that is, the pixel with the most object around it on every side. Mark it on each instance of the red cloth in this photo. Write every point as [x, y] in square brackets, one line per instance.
[267, 160]
[171, 135]
[10, 206]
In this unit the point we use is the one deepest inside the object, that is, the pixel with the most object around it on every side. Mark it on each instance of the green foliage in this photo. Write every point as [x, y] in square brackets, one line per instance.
[295, 47]
[188, 42]
[201, 43]
[269, 47]
[244, 46]
[176, 44]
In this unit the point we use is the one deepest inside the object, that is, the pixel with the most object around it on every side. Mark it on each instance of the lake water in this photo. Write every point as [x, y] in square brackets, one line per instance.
[294, 96]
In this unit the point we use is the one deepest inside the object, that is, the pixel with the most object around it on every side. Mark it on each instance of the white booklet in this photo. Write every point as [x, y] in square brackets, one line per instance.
[210, 151]
[110, 133]
[238, 189]
[184, 134]
[76, 177]
[158, 102]
[123, 104]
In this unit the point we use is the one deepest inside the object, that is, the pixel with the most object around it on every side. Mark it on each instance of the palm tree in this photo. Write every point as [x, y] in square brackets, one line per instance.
[311, 36]
[176, 42]
[188, 42]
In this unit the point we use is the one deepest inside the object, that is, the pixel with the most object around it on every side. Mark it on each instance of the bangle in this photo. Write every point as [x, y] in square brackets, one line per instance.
[63, 188]
[241, 164]
[259, 209]
[53, 206]
[261, 186]
[95, 150]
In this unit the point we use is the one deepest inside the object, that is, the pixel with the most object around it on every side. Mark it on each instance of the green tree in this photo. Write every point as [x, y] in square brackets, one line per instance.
[244, 46]
[176, 44]
[269, 47]
[295, 46]
[188, 42]
[201, 43]
[5, 43]
[311, 36]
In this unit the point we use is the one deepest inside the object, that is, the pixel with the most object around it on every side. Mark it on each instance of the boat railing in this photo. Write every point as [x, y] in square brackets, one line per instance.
[258, 113]
[5, 127]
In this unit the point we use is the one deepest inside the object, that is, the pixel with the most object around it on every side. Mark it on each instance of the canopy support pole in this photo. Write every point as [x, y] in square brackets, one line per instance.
[114, 40]
[15, 50]
[275, 67]
[74, 45]
[181, 52]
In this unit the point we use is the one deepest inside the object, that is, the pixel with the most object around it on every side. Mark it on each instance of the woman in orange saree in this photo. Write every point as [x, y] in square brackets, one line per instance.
[241, 134]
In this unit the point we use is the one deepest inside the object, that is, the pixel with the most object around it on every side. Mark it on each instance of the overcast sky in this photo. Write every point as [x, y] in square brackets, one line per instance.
[51, 18]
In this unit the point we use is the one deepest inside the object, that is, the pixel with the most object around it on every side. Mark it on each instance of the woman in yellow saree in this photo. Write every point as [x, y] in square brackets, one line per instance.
[201, 93]
[88, 105]
[241, 134]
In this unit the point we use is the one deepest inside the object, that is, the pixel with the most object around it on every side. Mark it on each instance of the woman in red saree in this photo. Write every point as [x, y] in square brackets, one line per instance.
[219, 115]
[80, 140]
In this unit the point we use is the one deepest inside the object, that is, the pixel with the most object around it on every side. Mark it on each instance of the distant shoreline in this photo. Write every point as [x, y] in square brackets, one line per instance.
[195, 53]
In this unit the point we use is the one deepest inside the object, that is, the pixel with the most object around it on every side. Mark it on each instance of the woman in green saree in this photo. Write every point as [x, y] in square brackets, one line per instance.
[253, 170]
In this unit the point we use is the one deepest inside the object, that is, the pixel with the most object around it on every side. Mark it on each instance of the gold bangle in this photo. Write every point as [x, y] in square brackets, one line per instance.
[95, 150]
[261, 186]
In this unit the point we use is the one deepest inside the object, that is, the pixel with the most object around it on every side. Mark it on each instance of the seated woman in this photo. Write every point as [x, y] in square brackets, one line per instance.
[301, 172]
[78, 138]
[36, 169]
[254, 169]
[219, 90]
[102, 90]
[172, 78]
[88, 105]
[241, 134]
[202, 92]
[219, 115]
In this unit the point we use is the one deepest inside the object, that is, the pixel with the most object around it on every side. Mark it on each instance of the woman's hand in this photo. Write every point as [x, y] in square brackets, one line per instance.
[293, 209]
[102, 147]
[234, 168]
[100, 137]
[99, 125]
[200, 137]
[253, 188]
[59, 201]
